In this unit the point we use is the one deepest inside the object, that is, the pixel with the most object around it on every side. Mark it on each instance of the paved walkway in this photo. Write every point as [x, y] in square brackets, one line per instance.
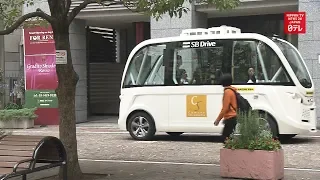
[104, 149]
[150, 171]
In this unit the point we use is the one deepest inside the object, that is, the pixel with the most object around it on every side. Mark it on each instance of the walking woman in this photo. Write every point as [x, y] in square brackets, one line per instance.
[229, 105]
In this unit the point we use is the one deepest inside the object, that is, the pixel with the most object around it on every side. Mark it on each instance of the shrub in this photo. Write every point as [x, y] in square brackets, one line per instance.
[252, 135]
[12, 106]
[9, 114]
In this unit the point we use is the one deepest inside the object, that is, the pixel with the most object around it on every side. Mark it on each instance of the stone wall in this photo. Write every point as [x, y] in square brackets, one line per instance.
[167, 26]
[79, 59]
[309, 44]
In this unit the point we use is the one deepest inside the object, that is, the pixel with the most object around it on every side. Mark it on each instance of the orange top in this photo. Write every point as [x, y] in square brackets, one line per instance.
[229, 102]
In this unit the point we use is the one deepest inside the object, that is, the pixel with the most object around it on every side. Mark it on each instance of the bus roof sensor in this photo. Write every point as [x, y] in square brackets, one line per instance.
[211, 31]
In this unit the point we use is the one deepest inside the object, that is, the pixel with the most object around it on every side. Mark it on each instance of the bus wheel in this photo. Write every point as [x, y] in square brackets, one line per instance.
[268, 123]
[141, 126]
[174, 133]
[286, 137]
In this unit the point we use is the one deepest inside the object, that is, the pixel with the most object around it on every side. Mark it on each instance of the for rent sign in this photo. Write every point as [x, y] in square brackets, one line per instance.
[295, 22]
[40, 74]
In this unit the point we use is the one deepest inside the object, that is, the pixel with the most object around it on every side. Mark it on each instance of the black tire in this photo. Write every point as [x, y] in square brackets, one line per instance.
[145, 133]
[174, 134]
[272, 123]
[286, 137]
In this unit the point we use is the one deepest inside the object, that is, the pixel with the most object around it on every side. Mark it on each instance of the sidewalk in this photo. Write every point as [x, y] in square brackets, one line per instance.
[149, 171]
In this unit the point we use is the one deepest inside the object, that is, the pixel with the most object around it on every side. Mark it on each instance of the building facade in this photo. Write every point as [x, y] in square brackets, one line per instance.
[102, 38]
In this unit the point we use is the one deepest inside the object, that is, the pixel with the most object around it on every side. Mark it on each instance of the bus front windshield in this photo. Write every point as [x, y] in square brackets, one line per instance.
[296, 63]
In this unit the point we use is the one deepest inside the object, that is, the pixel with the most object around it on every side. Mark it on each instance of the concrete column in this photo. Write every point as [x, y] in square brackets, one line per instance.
[118, 46]
[79, 59]
[2, 59]
[123, 53]
[309, 44]
[12, 53]
[166, 26]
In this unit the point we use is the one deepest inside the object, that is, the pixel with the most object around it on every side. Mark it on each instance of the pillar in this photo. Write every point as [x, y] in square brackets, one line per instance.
[309, 44]
[118, 46]
[79, 59]
[2, 59]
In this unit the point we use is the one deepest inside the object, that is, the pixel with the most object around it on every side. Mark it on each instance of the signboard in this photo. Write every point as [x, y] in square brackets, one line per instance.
[295, 22]
[40, 74]
[38, 40]
[61, 57]
[41, 99]
[196, 105]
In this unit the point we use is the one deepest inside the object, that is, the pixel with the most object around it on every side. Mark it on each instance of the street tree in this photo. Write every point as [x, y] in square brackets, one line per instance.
[60, 18]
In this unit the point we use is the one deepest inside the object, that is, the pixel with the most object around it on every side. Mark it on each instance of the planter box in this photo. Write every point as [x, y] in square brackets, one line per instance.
[258, 164]
[22, 123]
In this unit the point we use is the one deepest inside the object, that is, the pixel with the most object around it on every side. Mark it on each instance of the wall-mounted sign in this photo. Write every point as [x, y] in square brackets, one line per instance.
[295, 22]
[61, 57]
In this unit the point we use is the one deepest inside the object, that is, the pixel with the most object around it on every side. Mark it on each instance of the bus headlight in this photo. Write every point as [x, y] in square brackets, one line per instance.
[304, 100]
[310, 100]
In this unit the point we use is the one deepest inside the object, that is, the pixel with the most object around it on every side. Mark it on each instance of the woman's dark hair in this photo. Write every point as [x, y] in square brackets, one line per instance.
[226, 80]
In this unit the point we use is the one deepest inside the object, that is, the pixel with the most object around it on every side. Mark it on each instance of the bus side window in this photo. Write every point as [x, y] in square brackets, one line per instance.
[203, 65]
[256, 62]
[244, 62]
[146, 67]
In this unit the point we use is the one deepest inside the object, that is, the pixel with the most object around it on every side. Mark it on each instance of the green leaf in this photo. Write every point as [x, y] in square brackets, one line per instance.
[157, 8]
[11, 10]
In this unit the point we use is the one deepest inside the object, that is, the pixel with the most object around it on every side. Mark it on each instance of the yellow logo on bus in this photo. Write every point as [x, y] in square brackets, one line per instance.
[309, 93]
[196, 106]
[245, 89]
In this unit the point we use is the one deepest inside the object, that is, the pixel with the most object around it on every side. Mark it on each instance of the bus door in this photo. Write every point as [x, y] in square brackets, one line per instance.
[196, 97]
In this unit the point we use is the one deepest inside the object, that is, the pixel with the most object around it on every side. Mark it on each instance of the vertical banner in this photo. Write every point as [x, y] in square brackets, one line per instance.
[295, 22]
[40, 74]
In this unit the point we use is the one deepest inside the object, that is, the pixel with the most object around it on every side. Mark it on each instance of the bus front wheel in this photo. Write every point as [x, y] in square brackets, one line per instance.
[141, 126]
[286, 137]
[268, 123]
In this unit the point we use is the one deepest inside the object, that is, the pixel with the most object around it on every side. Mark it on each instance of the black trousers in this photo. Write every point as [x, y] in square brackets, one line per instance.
[229, 127]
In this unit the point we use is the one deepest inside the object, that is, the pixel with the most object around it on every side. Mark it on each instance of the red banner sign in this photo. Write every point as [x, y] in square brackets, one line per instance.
[40, 74]
[39, 40]
[295, 22]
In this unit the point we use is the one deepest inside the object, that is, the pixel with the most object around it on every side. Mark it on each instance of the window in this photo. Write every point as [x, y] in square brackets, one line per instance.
[203, 62]
[256, 62]
[146, 67]
[204, 65]
[296, 63]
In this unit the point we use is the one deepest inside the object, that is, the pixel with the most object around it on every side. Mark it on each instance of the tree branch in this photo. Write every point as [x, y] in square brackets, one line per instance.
[68, 5]
[85, 3]
[38, 13]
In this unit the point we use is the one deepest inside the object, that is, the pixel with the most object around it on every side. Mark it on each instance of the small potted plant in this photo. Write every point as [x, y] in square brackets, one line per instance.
[16, 117]
[254, 153]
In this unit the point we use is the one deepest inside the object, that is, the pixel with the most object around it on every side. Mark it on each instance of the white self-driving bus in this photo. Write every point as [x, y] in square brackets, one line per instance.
[172, 84]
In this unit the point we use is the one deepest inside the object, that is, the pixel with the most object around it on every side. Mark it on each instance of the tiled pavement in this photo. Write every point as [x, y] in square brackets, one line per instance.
[101, 140]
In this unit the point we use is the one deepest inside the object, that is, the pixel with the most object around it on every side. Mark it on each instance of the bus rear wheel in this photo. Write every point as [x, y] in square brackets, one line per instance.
[141, 126]
[174, 134]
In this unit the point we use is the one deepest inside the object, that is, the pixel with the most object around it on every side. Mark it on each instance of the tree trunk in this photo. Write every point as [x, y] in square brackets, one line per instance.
[68, 79]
